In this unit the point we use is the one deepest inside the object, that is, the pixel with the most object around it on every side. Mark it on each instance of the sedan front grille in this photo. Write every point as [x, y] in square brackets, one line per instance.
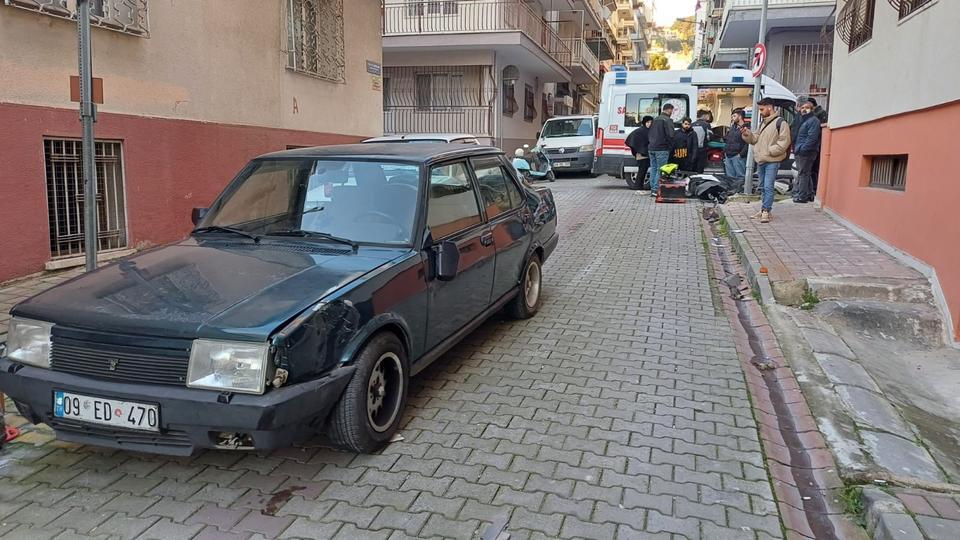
[116, 358]
[171, 438]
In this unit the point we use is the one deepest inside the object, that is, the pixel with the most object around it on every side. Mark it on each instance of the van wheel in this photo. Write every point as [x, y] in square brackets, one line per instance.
[370, 409]
[633, 181]
[527, 302]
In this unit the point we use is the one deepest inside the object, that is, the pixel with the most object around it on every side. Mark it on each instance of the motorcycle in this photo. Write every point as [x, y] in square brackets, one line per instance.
[533, 164]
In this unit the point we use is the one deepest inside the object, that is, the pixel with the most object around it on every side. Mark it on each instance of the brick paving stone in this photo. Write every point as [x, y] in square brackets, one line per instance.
[212, 533]
[125, 527]
[270, 526]
[625, 390]
[164, 529]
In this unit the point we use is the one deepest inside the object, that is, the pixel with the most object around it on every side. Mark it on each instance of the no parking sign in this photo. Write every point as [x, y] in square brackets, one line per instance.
[759, 59]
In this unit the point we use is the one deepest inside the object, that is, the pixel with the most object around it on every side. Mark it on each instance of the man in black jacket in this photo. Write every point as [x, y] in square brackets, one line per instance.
[685, 147]
[735, 149]
[661, 145]
[639, 144]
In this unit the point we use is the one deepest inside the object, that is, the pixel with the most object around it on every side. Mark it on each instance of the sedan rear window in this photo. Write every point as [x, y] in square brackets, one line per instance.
[364, 201]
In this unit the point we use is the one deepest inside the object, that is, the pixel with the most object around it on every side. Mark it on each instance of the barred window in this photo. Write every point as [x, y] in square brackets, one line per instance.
[855, 22]
[529, 103]
[906, 7]
[315, 38]
[888, 172]
[127, 16]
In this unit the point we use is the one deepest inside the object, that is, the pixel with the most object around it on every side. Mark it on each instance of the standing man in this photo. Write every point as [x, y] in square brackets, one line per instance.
[704, 132]
[735, 151]
[685, 149]
[639, 144]
[771, 145]
[661, 145]
[807, 151]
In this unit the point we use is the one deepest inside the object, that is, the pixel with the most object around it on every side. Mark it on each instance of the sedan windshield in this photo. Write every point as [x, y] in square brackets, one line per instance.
[358, 201]
[572, 127]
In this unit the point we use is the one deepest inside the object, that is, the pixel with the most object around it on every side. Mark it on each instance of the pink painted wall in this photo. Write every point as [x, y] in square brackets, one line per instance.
[170, 166]
[923, 220]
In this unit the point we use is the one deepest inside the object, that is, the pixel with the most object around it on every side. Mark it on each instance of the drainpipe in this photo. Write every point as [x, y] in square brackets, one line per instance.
[825, 153]
[497, 135]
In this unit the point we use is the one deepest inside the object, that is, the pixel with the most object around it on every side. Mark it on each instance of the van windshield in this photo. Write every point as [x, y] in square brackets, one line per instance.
[571, 127]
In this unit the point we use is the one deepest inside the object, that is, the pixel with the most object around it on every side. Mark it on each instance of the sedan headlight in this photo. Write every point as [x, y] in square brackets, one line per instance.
[586, 148]
[228, 365]
[28, 342]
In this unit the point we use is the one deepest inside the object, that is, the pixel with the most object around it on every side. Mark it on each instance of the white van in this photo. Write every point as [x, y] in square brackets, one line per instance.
[627, 96]
[568, 142]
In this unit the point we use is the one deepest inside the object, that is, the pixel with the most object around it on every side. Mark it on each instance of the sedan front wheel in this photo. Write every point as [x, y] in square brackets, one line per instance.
[370, 409]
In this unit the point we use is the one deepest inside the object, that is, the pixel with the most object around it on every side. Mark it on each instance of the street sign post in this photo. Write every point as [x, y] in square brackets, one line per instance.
[759, 62]
[88, 113]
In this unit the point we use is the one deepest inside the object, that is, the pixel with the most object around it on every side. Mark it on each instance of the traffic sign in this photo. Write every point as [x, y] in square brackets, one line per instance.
[759, 59]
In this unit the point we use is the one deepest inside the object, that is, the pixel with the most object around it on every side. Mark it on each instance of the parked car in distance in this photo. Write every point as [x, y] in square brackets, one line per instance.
[452, 138]
[313, 288]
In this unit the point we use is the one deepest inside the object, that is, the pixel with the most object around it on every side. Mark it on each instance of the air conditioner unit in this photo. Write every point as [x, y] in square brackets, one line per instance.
[565, 100]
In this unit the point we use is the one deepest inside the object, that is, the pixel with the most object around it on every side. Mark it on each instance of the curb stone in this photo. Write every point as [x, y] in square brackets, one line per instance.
[751, 263]
[887, 518]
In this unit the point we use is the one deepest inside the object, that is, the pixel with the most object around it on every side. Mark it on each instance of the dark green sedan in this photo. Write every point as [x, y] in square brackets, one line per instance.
[309, 293]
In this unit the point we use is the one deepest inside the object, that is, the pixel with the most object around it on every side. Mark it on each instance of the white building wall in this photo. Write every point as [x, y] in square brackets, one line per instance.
[515, 131]
[886, 76]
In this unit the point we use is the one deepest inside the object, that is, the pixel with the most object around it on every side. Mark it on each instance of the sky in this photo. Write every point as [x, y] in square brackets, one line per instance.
[666, 11]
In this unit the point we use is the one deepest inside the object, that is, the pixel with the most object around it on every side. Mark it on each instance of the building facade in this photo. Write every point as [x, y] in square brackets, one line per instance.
[496, 69]
[191, 91]
[886, 161]
[799, 40]
[631, 21]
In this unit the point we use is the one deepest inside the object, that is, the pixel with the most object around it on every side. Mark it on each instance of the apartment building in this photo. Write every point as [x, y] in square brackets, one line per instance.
[799, 40]
[887, 159]
[191, 91]
[630, 21]
[493, 68]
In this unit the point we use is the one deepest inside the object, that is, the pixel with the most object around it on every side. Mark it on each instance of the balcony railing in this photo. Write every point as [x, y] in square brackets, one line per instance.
[414, 119]
[473, 16]
[580, 54]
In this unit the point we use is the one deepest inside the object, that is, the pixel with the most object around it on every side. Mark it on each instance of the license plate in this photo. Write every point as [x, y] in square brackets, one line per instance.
[562, 164]
[110, 412]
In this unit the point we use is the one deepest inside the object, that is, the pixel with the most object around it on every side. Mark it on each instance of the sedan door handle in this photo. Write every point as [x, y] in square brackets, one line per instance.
[487, 239]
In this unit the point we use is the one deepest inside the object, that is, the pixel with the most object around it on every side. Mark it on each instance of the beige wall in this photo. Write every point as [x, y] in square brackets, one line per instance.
[908, 65]
[216, 61]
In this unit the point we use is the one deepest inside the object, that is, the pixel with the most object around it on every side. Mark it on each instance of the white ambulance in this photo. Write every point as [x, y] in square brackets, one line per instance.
[627, 96]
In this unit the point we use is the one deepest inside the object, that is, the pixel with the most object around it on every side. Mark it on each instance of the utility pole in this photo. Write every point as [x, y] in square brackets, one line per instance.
[88, 115]
[755, 118]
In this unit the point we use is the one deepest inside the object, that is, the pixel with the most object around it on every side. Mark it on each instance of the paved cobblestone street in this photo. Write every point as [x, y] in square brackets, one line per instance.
[620, 411]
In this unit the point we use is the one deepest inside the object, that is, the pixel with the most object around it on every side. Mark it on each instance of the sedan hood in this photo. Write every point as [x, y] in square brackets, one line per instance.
[206, 288]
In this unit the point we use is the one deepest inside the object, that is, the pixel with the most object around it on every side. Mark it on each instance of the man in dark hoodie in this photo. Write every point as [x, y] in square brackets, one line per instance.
[685, 148]
[735, 149]
[660, 145]
[639, 144]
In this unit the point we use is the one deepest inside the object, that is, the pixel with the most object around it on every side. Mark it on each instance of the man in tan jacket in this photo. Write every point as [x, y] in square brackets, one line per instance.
[771, 145]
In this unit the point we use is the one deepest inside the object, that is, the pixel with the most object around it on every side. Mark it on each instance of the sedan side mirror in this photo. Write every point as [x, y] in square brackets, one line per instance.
[448, 260]
[198, 214]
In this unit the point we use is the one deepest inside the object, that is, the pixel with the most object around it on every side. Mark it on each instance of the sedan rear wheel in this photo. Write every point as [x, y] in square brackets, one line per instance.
[528, 301]
[370, 409]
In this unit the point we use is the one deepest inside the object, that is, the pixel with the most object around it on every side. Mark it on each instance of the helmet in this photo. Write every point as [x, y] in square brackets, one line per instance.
[518, 152]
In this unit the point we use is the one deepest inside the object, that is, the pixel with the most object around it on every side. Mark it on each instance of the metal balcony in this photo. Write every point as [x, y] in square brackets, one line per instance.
[741, 18]
[478, 25]
[584, 65]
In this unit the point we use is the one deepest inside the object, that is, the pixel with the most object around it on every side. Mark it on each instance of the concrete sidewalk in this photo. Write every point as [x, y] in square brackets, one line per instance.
[867, 350]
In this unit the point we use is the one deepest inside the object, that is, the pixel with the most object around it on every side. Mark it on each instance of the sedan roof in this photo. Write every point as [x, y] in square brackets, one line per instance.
[447, 137]
[425, 152]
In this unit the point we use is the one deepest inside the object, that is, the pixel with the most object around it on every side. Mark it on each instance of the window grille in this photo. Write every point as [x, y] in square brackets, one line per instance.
[315, 39]
[855, 22]
[127, 16]
[65, 196]
[529, 103]
[906, 7]
[889, 172]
